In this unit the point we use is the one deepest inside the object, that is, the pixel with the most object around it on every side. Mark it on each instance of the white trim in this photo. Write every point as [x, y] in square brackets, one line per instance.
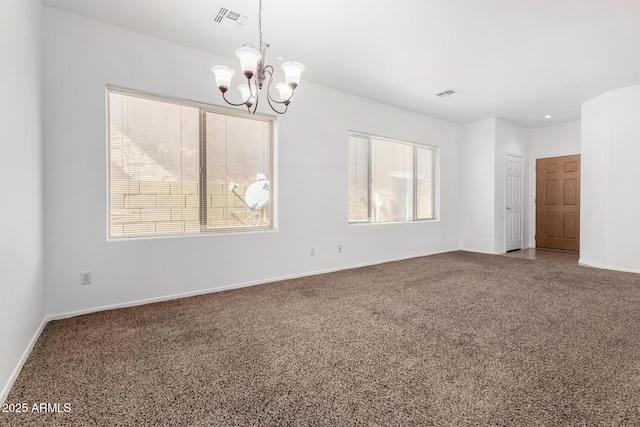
[226, 110]
[369, 136]
[481, 252]
[25, 355]
[381, 223]
[233, 286]
[532, 201]
[587, 263]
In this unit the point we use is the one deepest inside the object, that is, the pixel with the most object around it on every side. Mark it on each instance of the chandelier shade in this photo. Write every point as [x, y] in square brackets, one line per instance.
[292, 71]
[223, 76]
[285, 92]
[248, 94]
[249, 60]
[252, 65]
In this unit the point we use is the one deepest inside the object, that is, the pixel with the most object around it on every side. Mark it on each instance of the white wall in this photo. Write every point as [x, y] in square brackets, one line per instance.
[484, 146]
[510, 139]
[82, 56]
[477, 186]
[21, 247]
[551, 141]
[594, 182]
[554, 141]
[609, 206]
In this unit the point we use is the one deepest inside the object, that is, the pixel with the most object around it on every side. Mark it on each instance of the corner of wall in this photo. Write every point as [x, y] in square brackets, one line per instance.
[21, 232]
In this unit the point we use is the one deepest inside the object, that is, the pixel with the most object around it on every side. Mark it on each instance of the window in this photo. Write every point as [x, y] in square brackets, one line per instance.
[391, 180]
[177, 167]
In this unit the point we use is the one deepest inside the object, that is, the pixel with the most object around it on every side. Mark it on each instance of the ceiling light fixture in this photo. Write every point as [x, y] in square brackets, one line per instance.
[548, 116]
[253, 68]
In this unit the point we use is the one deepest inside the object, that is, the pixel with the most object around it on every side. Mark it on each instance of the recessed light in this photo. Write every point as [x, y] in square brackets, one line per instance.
[548, 116]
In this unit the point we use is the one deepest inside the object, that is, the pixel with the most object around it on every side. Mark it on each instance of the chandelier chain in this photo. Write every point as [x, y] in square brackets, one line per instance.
[260, 23]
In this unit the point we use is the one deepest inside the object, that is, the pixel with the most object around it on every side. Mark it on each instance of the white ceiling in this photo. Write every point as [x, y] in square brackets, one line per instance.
[514, 59]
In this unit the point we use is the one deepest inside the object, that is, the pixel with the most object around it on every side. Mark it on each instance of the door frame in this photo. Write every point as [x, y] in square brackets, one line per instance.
[506, 179]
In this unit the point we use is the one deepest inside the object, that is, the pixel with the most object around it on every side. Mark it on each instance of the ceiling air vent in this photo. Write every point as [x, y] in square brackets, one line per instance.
[229, 18]
[447, 92]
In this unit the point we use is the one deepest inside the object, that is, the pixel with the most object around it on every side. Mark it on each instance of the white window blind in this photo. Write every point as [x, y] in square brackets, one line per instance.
[177, 167]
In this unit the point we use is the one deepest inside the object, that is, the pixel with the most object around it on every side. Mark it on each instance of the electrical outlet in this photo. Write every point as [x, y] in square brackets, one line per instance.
[444, 237]
[312, 252]
[339, 249]
[85, 278]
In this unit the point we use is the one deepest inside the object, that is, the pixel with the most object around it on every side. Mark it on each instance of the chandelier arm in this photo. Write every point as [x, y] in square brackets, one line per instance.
[286, 107]
[231, 103]
[285, 102]
[255, 106]
[251, 94]
[269, 70]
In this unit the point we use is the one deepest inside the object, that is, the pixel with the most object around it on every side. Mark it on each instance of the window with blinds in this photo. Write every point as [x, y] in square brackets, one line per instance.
[391, 180]
[177, 167]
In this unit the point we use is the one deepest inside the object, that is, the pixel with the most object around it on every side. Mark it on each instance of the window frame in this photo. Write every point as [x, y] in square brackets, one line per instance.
[435, 184]
[203, 109]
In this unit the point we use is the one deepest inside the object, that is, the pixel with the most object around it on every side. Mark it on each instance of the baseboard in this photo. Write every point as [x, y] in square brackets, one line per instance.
[587, 263]
[25, 355]
[480, 252]
[65, 315]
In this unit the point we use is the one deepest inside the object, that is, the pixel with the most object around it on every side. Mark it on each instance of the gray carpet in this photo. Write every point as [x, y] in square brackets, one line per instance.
[458, 339]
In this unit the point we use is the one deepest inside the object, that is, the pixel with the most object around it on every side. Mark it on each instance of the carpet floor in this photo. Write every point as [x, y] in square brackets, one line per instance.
[457, 339]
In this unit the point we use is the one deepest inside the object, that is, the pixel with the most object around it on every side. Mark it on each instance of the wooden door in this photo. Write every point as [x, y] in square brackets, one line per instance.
[558, 202]
[514, 203]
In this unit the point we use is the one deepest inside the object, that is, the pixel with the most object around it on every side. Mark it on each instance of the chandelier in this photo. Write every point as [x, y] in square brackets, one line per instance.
[253, 68]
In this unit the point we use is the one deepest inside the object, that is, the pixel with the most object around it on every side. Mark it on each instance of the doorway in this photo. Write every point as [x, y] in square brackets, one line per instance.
[558, 203]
